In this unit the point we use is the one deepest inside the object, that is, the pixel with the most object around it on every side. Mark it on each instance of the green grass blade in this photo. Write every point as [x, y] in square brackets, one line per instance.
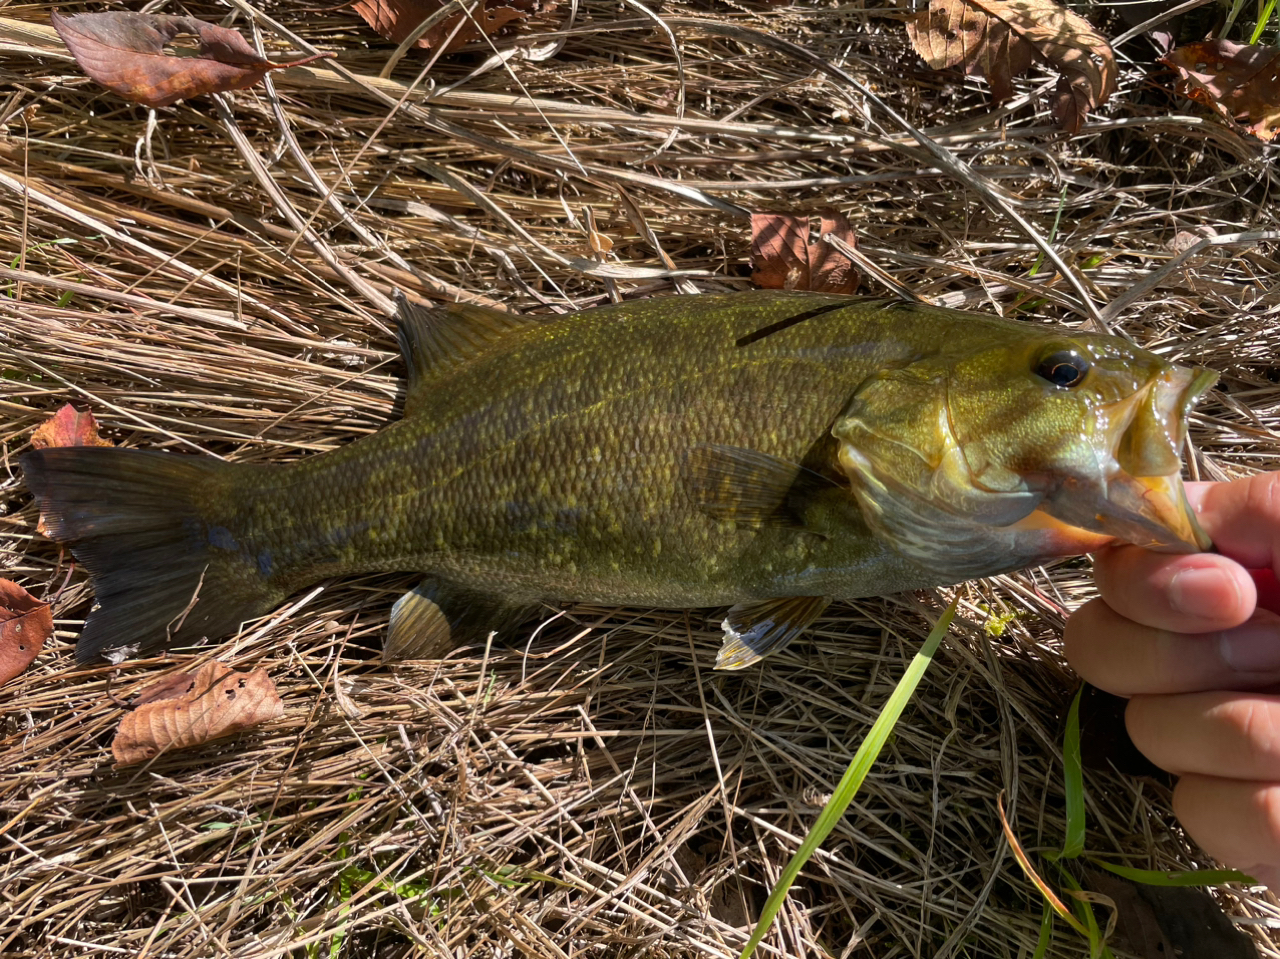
[1046, 932]
[1192, 877]
[1232, 13]
[1073, 782]
[853, 777]
[1053, 234]
[1083, 909]
[1263, 19]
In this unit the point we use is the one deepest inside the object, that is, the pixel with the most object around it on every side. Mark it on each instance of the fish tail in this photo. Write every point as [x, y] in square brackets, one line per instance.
[146, 526]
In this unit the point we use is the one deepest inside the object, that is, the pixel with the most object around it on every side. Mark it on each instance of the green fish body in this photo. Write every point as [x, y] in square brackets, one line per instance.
[766, 451]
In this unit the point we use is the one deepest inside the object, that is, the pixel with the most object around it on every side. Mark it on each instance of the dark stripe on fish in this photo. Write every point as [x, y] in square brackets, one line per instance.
[781, 325]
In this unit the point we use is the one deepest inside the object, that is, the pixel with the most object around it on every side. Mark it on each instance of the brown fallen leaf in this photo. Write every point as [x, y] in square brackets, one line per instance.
[176, 686]
[125, 53]
[597, 242]
[25, 624]
[68, 427]
[1000, 39]
[396, 19]
[782, 257]
[191, 709]
[1240, 81]
[1164, 922]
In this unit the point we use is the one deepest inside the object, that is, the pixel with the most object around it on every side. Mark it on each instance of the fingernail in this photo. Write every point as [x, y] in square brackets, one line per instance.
[1251, 648]
[1200, 591]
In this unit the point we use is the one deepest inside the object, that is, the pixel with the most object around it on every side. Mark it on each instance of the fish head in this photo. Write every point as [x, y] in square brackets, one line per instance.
[1023, 447]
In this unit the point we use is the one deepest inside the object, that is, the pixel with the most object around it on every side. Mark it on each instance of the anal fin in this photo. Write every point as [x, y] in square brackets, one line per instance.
[436, 617]
[754, 630]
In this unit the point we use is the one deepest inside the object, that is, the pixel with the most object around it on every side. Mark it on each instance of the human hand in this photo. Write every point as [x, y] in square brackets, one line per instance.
[1189, 640]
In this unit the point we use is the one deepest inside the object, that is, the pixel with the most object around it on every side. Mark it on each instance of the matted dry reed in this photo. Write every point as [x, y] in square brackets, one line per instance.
[215, 276]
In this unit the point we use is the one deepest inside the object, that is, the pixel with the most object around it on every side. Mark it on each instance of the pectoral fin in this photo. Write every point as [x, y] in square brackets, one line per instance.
[750, 487]
[754, 630]
[435, 618]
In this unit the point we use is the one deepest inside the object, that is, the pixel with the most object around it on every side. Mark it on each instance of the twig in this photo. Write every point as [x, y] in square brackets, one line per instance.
[379, 302]
[94, 225]
[1153, 279]
[1163, 17]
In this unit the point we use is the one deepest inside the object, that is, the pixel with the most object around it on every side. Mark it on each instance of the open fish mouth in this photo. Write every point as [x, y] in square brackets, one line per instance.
[978, 502]
[1137, 495]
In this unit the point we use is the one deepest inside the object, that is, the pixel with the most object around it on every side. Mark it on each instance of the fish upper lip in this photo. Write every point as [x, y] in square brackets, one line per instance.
[1147, 428]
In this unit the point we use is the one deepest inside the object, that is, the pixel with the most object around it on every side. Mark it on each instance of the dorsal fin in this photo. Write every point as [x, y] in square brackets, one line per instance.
[437, 339]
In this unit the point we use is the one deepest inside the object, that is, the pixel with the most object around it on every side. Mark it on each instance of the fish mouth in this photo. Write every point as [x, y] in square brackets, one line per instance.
[1137, 495]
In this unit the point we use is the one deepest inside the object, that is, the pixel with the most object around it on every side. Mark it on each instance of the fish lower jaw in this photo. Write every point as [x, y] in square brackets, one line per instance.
[1147, 511]
[1048, 537]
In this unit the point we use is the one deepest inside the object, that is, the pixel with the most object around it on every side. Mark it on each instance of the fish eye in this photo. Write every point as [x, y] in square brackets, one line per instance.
[1063, 368]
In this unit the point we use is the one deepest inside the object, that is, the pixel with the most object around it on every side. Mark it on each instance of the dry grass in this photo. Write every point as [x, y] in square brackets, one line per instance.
[599, 790]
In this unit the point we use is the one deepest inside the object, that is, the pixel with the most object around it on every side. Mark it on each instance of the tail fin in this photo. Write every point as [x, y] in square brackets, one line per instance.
[163, 573]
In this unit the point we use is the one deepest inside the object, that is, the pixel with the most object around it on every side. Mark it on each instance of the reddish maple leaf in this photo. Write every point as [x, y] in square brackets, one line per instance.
[25, 624]
[68, 427]
[1240, 81]
[783, 258]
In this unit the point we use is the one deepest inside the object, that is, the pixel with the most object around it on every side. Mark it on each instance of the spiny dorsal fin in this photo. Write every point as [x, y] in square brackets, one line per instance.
[754, 630]
[750, 487]
[437, 339]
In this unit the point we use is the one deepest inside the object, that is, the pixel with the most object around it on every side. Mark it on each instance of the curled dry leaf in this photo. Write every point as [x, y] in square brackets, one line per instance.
[175, 687]
[25, 624]
[1000, 39]
[396, 19]
[783, 258]
[1240, 81]
[68, 427]
[125, 53]
[194, 708]
[597, 242]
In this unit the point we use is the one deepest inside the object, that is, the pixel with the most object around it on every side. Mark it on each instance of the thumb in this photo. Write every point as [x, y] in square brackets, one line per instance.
[1242, 518]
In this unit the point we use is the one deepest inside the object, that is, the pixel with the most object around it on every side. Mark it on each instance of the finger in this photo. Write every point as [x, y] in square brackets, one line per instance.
[1129, 659]
[1266, 875]
[1228, 735]
[1188, 594]
[1242, 518]
[1234, 821]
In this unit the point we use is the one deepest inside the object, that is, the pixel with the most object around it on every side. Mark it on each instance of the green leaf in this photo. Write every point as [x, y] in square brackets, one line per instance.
[1263, 19]
[1057, 221]
[853, 777]
[1191, 877]
[1046, 932]
[1083, 909]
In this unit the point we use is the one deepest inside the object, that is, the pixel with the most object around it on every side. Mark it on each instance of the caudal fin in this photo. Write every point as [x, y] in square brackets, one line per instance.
[144, 524]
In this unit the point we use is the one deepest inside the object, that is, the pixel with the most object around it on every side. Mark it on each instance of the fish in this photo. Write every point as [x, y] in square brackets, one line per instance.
[765, 451]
